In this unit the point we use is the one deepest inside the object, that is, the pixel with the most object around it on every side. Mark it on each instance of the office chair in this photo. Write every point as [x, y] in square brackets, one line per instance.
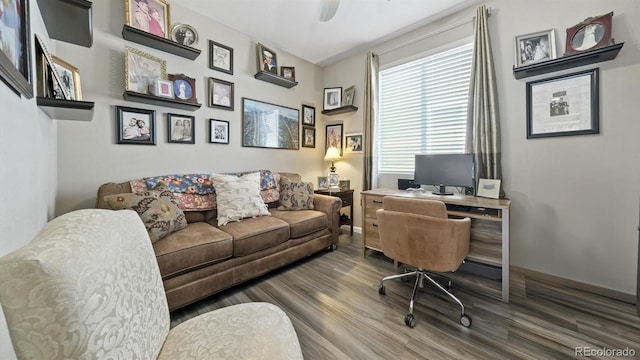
[417, 232]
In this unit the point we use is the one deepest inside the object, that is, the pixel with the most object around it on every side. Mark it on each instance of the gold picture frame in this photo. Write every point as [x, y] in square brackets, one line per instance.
[151, 16]
[70, 77]
[142, 69]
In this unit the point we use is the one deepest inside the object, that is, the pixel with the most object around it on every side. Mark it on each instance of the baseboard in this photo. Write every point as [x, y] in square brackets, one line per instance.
[356, 229]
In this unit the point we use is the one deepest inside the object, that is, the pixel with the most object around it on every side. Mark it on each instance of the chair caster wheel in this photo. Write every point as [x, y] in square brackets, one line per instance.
[465, 321]
[381, 290]
[410, 320]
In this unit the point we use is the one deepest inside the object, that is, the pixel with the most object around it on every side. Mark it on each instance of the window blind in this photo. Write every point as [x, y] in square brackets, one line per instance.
[423, 109]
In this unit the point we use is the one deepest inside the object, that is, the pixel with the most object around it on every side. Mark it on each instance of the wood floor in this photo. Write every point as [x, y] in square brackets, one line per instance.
[333, 302]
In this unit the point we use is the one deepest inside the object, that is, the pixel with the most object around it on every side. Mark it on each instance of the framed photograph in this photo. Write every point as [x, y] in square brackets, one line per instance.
[345, 185]
[162, 88]
[535, 47]
[220, 57]
[184, 34]
[15, 49]
[308, 115]
[349, 94]
[267, 59]
[353, 143]
[151, 16]
[269, 126]
[142, 70]
[563, 105]
[181, 129]
[488, 188]
[184, 87]
[334, 137]
[332, 98]
[308, 137]
[55, 83]
[323, 182]
[70, 77]
[288, 72]
[220, 94]
[591, 33]
[135, 126]
[218, 131]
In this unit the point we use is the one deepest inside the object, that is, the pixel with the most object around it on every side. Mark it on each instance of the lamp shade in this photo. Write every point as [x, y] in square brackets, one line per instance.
[332, 154]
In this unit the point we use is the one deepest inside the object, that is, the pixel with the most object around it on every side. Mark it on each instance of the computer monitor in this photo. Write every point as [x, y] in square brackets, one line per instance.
[444, 170]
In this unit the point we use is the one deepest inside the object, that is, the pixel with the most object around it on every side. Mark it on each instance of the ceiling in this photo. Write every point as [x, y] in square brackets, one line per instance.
[293, 25]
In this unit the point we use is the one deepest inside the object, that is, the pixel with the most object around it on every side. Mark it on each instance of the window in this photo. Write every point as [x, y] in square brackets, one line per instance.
[423, 109]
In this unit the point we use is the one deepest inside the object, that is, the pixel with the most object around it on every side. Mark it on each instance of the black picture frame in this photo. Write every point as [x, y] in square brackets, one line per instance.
[258, 120]
[220, 57]
[127, 117]
[308, 136]
[221, 94]
[308, 115]
[218, 131]
[564, 105]
[178, 132]
[16, 71]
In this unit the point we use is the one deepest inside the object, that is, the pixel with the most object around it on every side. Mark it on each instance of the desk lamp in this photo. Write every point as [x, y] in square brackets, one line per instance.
[332, 155]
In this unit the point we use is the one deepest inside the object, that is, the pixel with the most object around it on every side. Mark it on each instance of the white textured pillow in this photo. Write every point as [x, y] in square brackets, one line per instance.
[238, 197]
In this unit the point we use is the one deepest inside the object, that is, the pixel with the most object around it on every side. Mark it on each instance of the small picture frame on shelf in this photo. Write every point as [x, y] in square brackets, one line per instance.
[221, 94]
[344, 185]
[591, 33]
[288, 72]
[332, 98]
[323, 182]
[220, 57]
[162, 88]
[308, 115]
[308, 137]
[184, 87]
[142, 69]
[184, 34]
[267, 59]
[218, 131]
[135, 126]
[348, 96]
[151, 16]
[535, 47]
[70, 77]
[181, 129]
[56, 81]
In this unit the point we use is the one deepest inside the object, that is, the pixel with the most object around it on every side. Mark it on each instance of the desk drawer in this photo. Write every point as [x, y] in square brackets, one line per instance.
[371, 234]
[371, 204]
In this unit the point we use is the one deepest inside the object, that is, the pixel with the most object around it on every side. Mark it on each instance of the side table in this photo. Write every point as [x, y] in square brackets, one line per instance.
[347, 200]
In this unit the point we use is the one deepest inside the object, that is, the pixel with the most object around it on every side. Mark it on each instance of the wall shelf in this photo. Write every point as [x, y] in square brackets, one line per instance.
[147, 39]
[340, 110]
[68, 20]
[159, 101]
[60, 109]
[275, 79]
[566, 62]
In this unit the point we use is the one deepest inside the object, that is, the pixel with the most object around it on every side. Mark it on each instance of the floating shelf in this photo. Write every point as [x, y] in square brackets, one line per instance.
[60, 109]
[275, 79]
[159, 101]
[68, 20]
[567, 62]
[160, 43]
[340, 110]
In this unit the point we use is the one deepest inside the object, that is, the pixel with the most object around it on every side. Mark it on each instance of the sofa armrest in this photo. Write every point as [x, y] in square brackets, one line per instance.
[330, 205]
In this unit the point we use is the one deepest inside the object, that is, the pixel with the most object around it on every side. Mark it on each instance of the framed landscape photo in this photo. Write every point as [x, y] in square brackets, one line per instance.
[151, 16]
[15, 49]
[181, 129]
[333, 137]
[218, 131]
[135, 126]
[220, 57]
[353, 143]
[267, 59]
[269, 126]
[332, 98]
[184, 34]
[308, 137]
[184, 87]
[563, 105]
[142, 69]
[70, 78]
[535, 47]
[288, 72]
[592, 33]
[308, 115]
[221, 94]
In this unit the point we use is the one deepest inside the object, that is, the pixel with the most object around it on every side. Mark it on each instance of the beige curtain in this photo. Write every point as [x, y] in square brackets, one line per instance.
[483, 129]
[370, 110]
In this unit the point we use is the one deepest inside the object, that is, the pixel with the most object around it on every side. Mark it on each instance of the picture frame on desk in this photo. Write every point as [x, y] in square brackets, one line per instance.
[489, 188]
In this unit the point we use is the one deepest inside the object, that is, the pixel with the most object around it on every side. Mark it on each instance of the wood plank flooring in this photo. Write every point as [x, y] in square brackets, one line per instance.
[333, 302]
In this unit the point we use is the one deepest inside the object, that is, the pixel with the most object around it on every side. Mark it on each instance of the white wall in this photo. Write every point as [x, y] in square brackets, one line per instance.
[88, 154]
[574, 199]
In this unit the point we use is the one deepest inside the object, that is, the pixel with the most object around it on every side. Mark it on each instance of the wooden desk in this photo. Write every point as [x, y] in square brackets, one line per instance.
[347, 200]
[489, 242]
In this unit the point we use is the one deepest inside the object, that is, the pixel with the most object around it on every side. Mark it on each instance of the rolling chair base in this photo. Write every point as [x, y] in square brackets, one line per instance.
[420, 274]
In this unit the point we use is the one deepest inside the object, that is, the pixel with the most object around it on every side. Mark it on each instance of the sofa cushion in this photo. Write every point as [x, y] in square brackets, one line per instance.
[251, 235]
[157, 209]
[200, 244]
[302, 222]
[295, 195]
[238, 197]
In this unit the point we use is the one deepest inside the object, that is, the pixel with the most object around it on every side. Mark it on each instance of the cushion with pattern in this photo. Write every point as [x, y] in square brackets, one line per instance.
[295, 195]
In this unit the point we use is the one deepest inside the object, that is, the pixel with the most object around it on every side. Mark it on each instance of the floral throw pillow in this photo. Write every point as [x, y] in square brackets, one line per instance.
[238, 197]
[158, 210]
[295, 195]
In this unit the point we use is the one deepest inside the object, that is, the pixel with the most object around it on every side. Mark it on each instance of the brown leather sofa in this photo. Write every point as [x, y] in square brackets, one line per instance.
[204, 259]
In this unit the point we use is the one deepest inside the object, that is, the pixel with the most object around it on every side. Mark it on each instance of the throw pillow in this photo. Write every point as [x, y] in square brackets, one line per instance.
[238, 197]
[295, 195]
[158, 210]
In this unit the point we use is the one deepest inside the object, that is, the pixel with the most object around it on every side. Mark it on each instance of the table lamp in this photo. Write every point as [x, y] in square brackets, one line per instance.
[332, 155]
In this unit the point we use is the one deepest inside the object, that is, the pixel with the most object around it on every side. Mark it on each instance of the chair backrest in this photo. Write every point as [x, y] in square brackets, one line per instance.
[87, 287]
[415, 232]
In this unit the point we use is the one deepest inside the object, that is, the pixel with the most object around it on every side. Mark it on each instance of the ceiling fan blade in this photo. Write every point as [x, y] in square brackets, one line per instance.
[329, 8]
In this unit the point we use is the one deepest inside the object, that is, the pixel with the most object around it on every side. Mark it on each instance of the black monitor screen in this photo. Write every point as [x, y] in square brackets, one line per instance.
[444, 169]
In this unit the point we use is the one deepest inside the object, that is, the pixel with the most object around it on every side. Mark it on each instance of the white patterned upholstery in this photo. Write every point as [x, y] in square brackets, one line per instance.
[238, 197]
[88, 287]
